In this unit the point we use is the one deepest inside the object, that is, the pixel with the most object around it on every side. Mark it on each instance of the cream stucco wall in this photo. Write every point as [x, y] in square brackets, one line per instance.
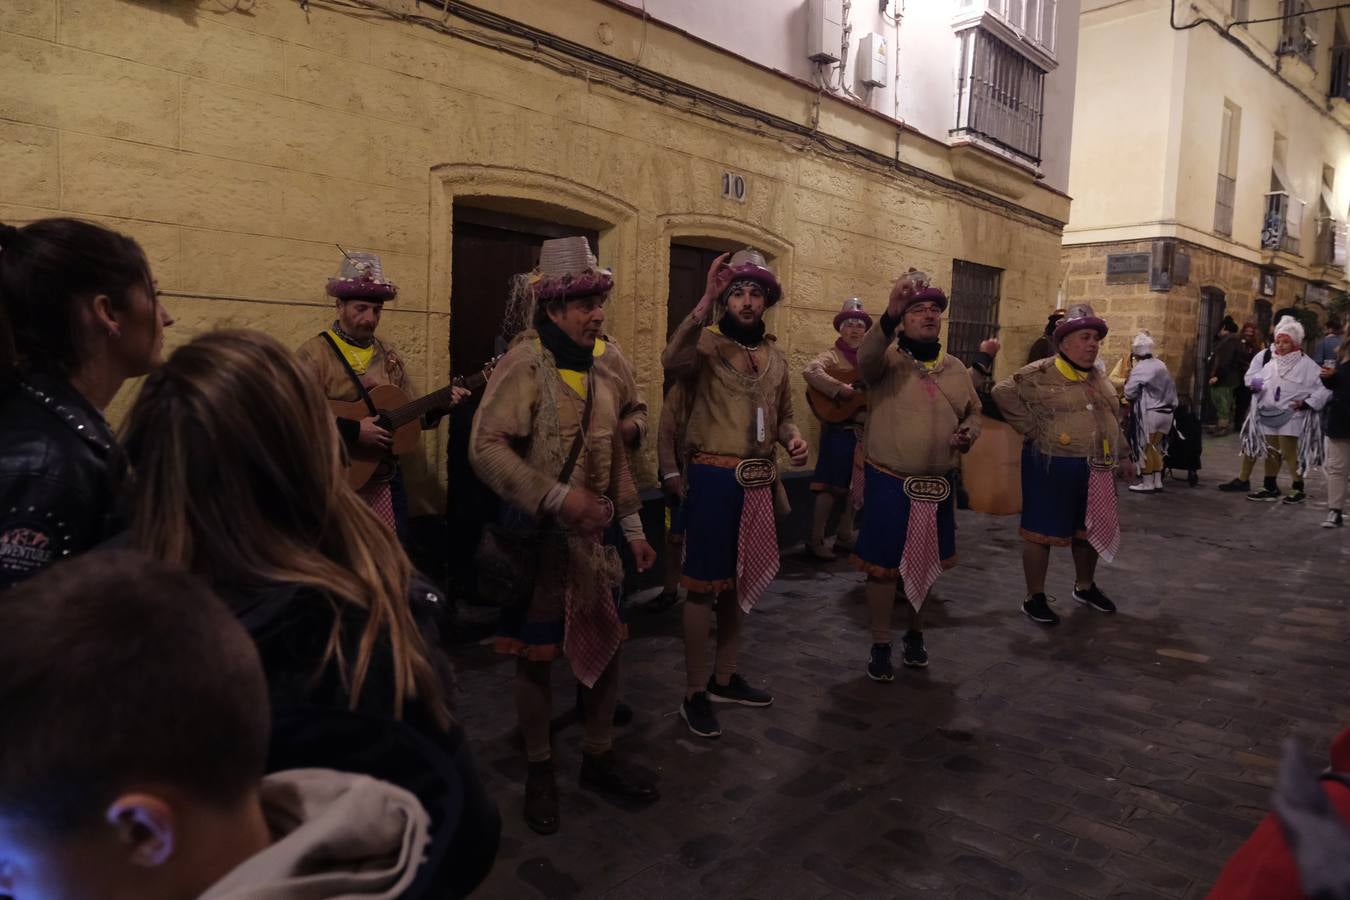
[240, 144]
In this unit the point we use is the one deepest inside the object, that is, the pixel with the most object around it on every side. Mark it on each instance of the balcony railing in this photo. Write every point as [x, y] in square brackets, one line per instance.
[1330, 248]
[1280, 229]
[1340, 74]
[1223, 205]
[1298, 32]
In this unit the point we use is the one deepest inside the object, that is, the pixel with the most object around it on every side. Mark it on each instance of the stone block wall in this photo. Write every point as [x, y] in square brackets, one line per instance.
[240, 142]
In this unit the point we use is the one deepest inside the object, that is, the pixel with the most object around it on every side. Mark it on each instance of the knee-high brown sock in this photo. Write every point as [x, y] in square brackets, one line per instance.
[599, 706]
[729, 621]
[534, 707]
[697, 620]
[880, 602]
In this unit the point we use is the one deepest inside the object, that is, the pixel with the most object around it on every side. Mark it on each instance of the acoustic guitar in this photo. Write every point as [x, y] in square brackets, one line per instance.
[401, 416]
[837, 412]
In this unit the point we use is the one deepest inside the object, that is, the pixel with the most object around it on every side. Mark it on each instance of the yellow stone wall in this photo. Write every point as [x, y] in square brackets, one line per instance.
[240, 141]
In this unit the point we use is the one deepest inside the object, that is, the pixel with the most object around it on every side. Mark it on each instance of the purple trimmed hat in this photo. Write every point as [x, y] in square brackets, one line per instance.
[361, 278]
[927, 294]
[749, 265]
[1078, 317]
[852, 309]
[568, 270]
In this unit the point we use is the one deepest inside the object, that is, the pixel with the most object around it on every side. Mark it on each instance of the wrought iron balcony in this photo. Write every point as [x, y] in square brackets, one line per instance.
[1280, 228]
[1330, 243]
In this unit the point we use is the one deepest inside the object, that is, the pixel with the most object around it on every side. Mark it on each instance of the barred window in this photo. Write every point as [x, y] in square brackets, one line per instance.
[973, 314]
[1000, 95]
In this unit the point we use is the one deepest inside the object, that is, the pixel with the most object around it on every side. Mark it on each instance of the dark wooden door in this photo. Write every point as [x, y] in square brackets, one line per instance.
[688, 275]
[1210, 314]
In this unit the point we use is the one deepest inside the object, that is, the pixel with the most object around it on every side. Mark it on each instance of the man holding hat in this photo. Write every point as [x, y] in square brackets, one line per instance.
[924, 414]
[1283, 424]
[1069, 414]
[838, 464]
[548, 439]
[348, 360]
[739, 409]
[1152, 395]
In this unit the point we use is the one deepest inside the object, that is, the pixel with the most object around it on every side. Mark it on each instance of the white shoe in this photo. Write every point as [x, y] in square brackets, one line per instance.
[1157, 481]
[1144, 487]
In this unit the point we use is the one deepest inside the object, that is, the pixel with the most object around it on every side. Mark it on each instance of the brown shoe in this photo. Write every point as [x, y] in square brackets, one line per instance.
[603, 774]
[541, 798]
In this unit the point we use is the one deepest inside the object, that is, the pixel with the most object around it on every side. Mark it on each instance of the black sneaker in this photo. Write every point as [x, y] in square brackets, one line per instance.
[1037, 609]
[1334, 519]
[1265, 495]
[1236, 485]
[1092, 596]
[915, 656]
[879, 667]
[698, 714]
[1294, 497]
[738, 690]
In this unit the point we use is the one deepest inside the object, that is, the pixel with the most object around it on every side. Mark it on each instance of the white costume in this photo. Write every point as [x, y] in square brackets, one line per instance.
[1275, 385]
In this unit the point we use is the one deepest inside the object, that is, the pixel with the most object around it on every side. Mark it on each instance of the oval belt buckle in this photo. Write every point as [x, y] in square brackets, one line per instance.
[608, 504]
[1103, 463]
[756, 473]
[928, 488]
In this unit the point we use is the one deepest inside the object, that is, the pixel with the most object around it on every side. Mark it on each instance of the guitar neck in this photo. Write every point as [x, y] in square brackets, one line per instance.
[435, 400]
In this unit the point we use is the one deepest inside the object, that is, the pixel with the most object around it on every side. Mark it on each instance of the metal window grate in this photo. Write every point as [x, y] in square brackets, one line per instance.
[1000, 95]
[973, 314]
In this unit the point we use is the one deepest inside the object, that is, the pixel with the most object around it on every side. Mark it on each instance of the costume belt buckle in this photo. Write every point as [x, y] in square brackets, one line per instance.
[1102, 463]
[608, 504]
[752, 473]
[927, 488]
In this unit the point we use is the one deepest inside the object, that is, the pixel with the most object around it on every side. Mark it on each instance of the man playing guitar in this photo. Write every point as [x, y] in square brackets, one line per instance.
[348, 362]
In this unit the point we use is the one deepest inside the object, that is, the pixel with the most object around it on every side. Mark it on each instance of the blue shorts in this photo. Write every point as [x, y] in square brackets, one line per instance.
[712, 520]
[881, 541]
[1054, 497]
[834, 465]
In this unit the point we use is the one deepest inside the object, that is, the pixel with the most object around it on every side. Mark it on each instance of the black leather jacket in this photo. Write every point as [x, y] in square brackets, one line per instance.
[61, 472]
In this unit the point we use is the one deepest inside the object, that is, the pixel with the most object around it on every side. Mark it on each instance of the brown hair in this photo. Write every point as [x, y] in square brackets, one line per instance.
[47, 268]
[120, 670]
[239, 478]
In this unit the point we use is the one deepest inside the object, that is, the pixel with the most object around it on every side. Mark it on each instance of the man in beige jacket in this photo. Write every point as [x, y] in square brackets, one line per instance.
[923, 413]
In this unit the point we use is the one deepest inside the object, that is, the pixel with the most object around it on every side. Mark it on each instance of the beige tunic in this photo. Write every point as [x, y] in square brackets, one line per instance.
[915, 411]
[526, 424]
[386, 367]
[1062, 417]
[632, 407]
[733, 390]
[670, 431]
[815, 375]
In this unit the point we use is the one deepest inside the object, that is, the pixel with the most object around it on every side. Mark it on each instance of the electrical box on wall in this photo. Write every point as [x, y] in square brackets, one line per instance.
[824, 30]
[872, 67]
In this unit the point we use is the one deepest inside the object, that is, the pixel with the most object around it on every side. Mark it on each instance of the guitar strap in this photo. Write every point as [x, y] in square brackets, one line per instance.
[347, 367]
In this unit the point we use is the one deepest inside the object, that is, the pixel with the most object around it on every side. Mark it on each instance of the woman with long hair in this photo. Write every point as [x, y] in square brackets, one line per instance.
[239, 479]
[1336, 378]
[79, 315]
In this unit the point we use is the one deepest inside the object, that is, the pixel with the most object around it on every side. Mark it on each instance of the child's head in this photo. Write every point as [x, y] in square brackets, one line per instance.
[135, 727]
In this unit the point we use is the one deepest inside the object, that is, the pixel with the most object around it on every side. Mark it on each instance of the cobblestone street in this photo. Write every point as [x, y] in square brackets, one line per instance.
[1122, 756]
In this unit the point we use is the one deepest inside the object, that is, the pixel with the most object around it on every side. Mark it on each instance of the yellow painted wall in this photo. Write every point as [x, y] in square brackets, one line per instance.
[240, 142]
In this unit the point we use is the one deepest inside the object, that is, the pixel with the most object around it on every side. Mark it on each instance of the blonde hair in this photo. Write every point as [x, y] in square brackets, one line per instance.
[239, 478]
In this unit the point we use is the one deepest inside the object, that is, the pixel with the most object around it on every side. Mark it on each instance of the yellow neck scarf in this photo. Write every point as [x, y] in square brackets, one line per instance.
[1069, 371]
[576, 380]
[357, 357]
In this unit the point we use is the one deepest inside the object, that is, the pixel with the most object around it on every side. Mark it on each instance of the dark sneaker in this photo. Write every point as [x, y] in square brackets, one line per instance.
[738, 690]
[697, 713]
[879, 667]
[1265, 495]
[1236, 485]
[1334, 519]
[1294, 497]
[915, 656]
[1037, 609]
[602, 774]
[541, 798]
[1092, 596]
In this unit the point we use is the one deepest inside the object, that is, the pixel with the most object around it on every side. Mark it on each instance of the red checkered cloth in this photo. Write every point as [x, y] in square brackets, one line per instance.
[1103, 524]
[380, 498]
[756, 546]
[592, 632]
[855, 482]
[921, 563]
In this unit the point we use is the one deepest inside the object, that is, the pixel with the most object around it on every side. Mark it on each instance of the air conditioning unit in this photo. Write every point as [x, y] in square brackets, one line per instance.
[824, 30]
[1169, 265]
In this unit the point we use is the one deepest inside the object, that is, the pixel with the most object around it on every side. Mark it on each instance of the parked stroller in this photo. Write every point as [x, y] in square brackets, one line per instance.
[1184, 445]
